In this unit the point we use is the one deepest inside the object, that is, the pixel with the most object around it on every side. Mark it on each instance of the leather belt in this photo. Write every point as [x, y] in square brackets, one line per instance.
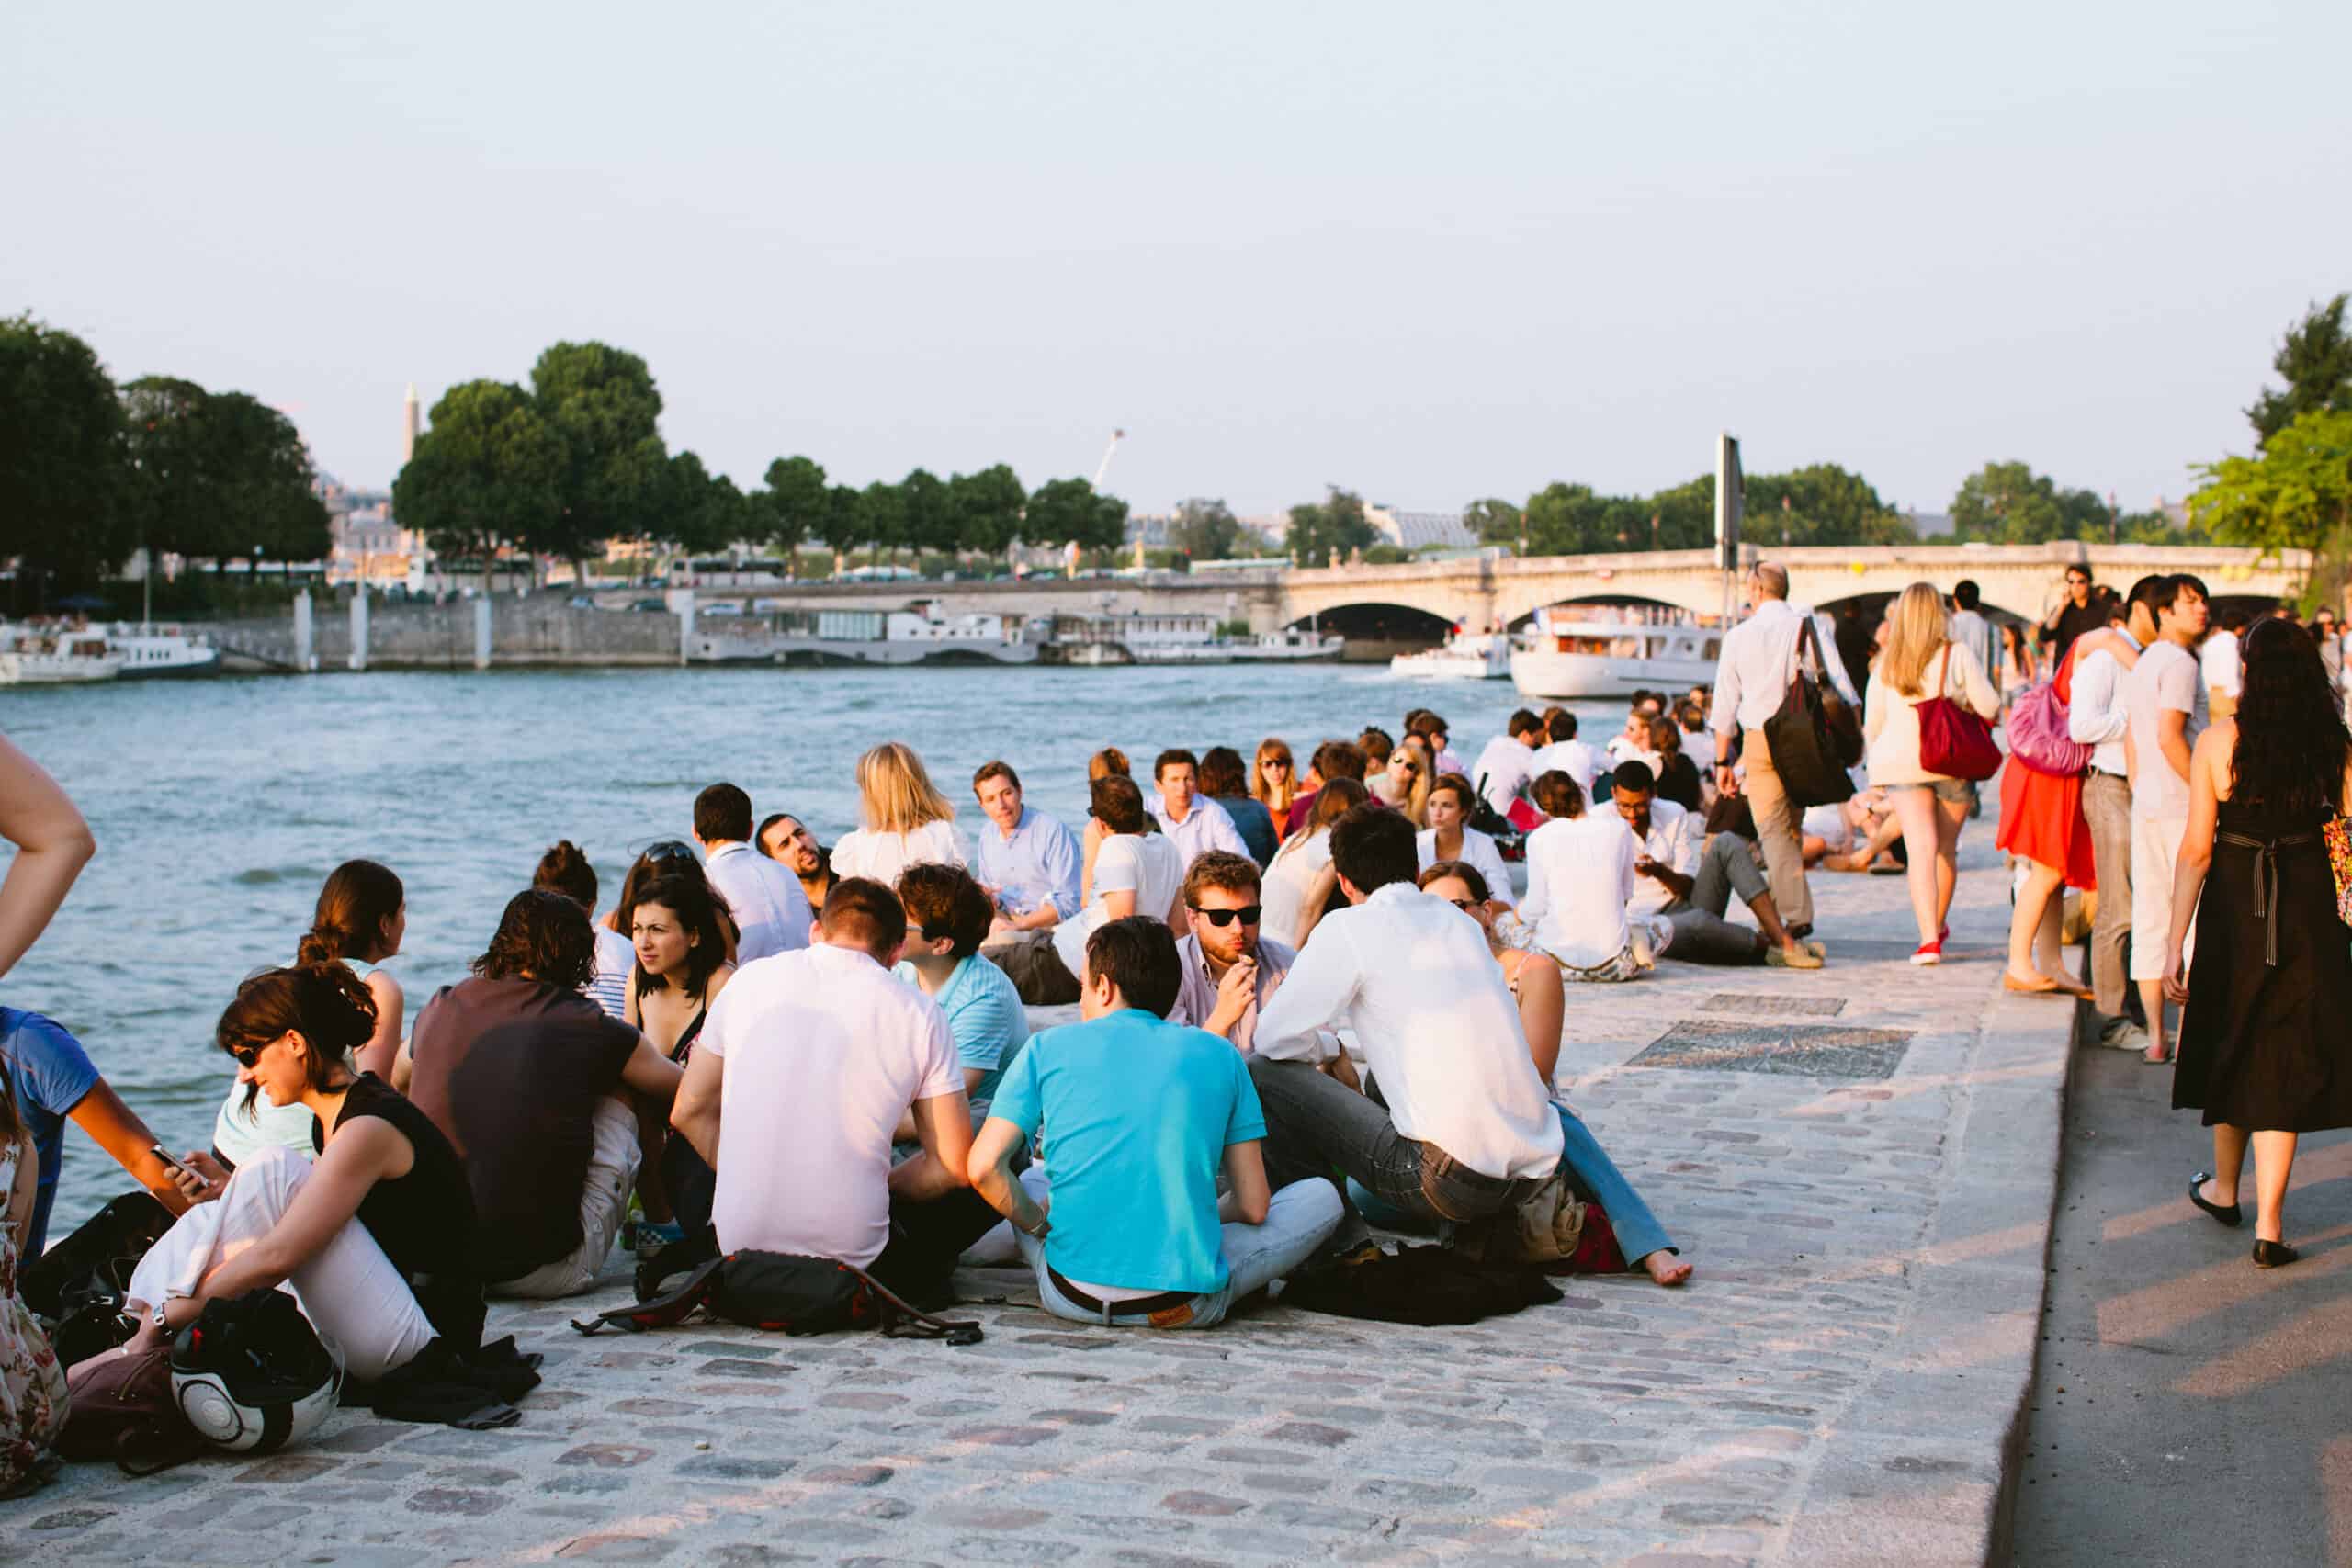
[1134, 1306]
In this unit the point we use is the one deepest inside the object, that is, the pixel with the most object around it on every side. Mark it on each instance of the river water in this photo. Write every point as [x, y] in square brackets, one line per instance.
[219, 806]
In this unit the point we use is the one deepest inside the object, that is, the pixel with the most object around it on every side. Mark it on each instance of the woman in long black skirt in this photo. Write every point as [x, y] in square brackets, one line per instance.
[2265, 1040]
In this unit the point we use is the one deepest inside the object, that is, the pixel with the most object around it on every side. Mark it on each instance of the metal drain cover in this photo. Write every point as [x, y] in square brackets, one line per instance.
[1797, 1050]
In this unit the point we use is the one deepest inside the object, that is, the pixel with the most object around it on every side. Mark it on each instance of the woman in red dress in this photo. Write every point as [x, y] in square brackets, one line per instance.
[2042, 825]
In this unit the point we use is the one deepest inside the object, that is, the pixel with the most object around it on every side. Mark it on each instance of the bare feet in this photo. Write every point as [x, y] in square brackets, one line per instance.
[1665, 1268]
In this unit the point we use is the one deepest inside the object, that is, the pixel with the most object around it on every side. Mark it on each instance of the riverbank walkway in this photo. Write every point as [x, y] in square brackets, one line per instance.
[1859, 1161]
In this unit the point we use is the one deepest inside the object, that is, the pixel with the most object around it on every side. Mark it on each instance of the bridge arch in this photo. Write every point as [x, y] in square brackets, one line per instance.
[1407, 625]
[1598, 599]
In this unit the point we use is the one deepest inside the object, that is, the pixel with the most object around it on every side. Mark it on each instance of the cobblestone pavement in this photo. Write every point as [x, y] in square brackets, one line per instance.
[1858, 1162]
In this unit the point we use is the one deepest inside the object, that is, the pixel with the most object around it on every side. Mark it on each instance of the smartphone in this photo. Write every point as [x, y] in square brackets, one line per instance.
[164, 1154]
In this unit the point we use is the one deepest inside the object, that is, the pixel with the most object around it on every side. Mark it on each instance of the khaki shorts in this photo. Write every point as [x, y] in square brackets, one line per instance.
[2155, 841]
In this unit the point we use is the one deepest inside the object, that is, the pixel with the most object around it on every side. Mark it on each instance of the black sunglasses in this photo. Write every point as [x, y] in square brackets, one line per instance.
[246, 1056]
[1464, 905]
[670, 848]
[1248, 914]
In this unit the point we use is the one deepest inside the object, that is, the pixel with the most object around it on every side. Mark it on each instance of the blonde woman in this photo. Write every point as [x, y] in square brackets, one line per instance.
[1919, 664]
[1411, 768]
[1274, 779]
[903, 820]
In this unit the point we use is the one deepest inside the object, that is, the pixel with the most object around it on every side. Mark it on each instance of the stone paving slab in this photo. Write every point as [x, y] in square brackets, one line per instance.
[1839, 1383]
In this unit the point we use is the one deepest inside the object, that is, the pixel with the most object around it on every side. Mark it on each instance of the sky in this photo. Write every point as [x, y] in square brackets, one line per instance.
[1430, 253]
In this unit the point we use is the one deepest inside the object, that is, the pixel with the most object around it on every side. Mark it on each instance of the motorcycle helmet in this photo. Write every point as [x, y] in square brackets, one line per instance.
[251, 1375]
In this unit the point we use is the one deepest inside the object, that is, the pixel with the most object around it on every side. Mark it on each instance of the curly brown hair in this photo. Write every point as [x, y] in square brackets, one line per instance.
[543, 936]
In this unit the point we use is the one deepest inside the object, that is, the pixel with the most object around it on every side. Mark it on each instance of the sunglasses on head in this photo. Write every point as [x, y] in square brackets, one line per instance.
[1247, 915]
[670, 848]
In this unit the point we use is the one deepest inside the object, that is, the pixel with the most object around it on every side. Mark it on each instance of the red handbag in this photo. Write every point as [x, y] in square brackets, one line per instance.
[1952, 741]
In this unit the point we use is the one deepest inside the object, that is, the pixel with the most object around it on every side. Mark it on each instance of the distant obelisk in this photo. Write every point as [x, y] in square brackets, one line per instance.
[409, 425]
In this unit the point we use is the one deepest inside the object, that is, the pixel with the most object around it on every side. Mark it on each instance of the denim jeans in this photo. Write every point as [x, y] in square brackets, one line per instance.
[1298, 1218]
[1314, 1123]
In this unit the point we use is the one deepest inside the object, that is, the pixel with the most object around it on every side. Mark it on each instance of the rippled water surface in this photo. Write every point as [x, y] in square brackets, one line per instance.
[221, 806]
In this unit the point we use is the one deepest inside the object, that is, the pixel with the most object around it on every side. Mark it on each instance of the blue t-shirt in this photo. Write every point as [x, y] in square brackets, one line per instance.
[985, 1018]
[1137, 1114]
[49, 1073]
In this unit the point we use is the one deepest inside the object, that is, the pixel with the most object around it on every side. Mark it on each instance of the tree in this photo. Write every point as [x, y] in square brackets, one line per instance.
[1820, 505]
[1204, 530]
[987, 507]
[2316, 358]
[930, 521]
[2297, 495]
[603, 404]
[1065, 512]
[268, 491]
[490, 471]
[62, 501]
[1326, 533]
[1492, 521]
[2008, 504]
[881, 517]
[705, 513]
[173, 506]
[793, 506]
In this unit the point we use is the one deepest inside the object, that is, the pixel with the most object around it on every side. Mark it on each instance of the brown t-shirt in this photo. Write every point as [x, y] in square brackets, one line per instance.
[512, 1071]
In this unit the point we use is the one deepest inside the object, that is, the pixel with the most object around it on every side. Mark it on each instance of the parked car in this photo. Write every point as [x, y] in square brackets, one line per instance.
[650, 605]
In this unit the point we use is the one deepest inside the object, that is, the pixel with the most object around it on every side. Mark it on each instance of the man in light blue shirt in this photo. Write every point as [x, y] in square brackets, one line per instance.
[770, 909]
[1027, 861]
[1143, 1114]
[947, 914]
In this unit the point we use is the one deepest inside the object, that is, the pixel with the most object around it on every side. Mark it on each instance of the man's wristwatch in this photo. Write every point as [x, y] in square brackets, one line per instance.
[1039, 1233]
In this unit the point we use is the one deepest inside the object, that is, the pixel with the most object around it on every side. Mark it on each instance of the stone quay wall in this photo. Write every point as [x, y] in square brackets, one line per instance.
[521, 631]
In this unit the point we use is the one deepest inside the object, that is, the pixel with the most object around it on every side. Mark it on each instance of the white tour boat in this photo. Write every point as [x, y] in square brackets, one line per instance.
[920, 635]
[152, 653]
[1464, 656]
[1607, 651]
[35, 657]
[1178, 639]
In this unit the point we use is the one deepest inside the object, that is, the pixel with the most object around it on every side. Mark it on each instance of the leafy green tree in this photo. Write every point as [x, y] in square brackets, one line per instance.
[988, 508]
[1820, 505]
[490, 471]
[602, 402]
[2296, 495]
[63, 505]
[930, 521]
[794, 505]
[261, 469]
[2008, 504]
[881, 517]
[2315, 360]
[1326, 533]
[1492, 520]
[706, 512]
[1063, 512]
[1204, 530]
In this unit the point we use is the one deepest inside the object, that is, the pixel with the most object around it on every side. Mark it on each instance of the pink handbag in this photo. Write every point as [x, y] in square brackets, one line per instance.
[1954, 741]
[2038, 735]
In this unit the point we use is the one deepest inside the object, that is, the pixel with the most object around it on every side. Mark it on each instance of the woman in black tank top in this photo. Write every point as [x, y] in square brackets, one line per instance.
[681, 968]
[384, 1206]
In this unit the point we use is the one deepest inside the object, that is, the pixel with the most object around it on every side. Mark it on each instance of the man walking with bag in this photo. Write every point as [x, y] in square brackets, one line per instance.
[1752, 679]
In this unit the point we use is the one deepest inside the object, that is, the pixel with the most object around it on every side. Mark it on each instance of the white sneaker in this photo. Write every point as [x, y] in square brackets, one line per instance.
[2122, 1034]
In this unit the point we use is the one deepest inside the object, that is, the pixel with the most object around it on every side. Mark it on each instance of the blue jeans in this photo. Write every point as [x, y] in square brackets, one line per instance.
[1299, 1218]
[1581, 1156]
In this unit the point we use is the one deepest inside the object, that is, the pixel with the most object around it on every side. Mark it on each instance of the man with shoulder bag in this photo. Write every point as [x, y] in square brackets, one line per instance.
[1759, 683]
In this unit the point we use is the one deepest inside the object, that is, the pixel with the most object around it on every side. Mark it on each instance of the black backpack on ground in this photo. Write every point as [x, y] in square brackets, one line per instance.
[78, 1287]
[778, 1292]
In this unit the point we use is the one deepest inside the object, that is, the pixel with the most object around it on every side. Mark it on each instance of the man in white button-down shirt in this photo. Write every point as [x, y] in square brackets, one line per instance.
[1193, 823]
[1469, 1128]
[2096, 718]
[1758, 660]
[769, 906]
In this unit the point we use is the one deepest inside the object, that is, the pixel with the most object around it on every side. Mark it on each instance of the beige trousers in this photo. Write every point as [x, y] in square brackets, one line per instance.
[1777, 823]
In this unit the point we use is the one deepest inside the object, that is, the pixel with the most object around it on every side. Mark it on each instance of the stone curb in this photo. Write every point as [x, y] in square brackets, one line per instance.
[1924, 1468]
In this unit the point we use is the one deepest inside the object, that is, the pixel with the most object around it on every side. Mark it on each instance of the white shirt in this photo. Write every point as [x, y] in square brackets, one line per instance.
[1573, 757]
[1145, 864]
[770, 906]
[1758, 660]
[1673, 842]
[1700, 747]
[1289, 875]
[1205, 827]
[615, 963]
[2167, 680]
[867, 852]
[1972, 632]
[825, 1050]
[1477, 850]
[1412, 977]
[1502, 770]
[2096, 715]
[1579, 876]
[2222, 663]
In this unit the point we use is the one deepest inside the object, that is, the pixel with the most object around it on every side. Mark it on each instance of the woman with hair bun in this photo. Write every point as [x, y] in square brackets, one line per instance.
[361, 916]
[565, 869]
[381, 1222]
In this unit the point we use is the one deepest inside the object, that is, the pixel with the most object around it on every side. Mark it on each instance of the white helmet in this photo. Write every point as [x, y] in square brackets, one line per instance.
[251, 1375]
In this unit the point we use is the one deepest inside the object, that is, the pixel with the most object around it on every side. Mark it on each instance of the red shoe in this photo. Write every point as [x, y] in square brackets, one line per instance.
[1930, 952]
[1943, 936]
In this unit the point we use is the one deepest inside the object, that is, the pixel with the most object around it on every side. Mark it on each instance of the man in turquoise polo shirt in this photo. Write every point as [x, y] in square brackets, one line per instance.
[1140, 1114]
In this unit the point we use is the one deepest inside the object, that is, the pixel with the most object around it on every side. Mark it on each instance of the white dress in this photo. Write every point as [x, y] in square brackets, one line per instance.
[882, 856]
[1289, 876]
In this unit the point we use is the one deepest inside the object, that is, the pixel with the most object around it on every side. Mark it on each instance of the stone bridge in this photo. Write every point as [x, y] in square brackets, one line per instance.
[1414, 601]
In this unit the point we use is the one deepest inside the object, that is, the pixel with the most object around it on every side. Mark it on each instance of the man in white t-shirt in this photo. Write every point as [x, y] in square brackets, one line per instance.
[2220, 665]
[1507, 764]
[1137, 871]
[1568, 754]
[2165, 698]
[797, 1081]
[767, 902]
[1193, 823]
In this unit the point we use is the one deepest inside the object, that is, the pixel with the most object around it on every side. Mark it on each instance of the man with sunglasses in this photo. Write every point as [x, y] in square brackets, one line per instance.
[1230, 970]
[2078, 613]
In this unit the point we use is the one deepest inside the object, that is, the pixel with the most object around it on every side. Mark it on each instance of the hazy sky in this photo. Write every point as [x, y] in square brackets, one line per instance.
[1430, 253]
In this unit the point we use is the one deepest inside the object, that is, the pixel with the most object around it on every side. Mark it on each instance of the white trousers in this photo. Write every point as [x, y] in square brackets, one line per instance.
[613, 1159]
[359, 1303]
[2155, 844]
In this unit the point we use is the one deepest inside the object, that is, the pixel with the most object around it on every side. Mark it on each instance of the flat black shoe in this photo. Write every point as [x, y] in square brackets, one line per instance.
[2227, 1215]
[2273, 1254]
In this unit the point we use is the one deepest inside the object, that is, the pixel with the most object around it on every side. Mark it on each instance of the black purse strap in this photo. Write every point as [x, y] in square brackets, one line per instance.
[902, 1321]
